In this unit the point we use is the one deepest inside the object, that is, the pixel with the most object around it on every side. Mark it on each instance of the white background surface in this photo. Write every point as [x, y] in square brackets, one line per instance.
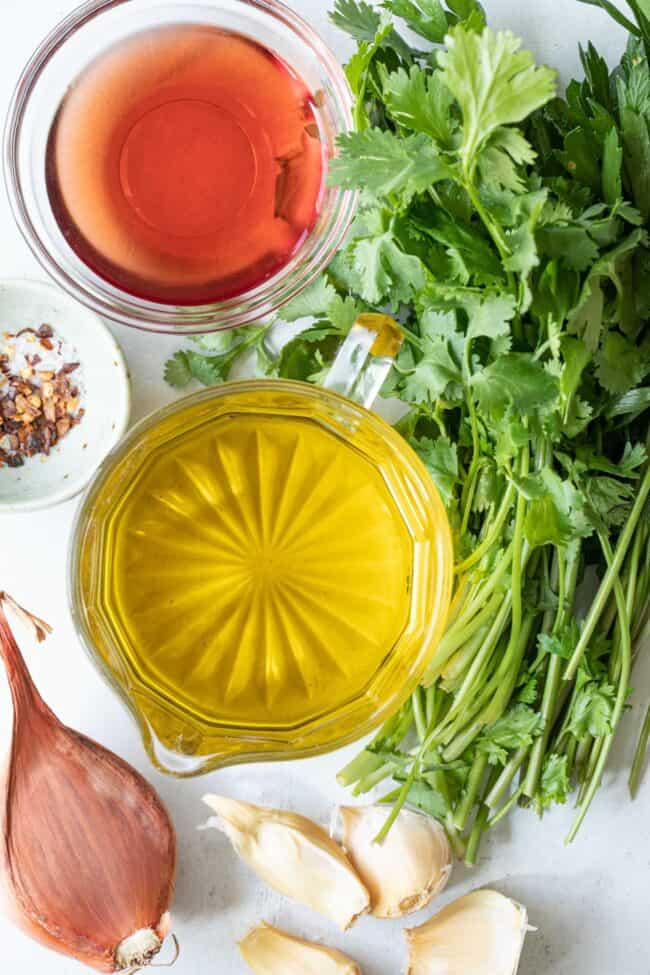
[590, 901]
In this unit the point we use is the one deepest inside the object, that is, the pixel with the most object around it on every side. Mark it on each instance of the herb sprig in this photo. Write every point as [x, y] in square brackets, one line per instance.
[507, 227]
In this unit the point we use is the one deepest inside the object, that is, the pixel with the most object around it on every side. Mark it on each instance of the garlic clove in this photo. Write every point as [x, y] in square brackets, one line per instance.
[269, 951]
[294, 856]
[482, 933]
[405, 872]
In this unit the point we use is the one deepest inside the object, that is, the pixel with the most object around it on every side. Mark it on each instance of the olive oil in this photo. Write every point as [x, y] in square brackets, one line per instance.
[260, 571]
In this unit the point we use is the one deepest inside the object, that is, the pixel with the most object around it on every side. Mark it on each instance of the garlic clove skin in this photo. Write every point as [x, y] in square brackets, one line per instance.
[482, 933]
[269, 951]
[405, 872]
[294, 856]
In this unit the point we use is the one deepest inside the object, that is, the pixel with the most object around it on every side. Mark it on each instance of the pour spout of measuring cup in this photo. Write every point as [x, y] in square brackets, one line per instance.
[365, 358]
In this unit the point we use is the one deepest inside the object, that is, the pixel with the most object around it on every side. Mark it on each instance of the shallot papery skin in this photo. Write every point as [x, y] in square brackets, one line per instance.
[89, 850]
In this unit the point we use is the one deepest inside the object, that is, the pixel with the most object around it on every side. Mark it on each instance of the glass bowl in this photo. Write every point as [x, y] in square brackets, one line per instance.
[292, 539]
[86, 33]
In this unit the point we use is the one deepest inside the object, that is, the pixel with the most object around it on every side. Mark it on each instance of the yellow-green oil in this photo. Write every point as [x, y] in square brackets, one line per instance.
[262, 567]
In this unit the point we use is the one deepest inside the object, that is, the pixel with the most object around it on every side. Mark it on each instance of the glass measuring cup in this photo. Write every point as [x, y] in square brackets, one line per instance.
[263, 569]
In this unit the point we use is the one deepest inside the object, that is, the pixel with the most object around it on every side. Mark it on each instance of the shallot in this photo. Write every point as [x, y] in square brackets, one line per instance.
[89, 850]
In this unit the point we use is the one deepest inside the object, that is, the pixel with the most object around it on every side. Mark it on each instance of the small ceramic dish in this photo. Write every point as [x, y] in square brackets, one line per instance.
[45, 481]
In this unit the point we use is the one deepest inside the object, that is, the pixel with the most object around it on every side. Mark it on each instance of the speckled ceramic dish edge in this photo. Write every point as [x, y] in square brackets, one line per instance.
[45, 481]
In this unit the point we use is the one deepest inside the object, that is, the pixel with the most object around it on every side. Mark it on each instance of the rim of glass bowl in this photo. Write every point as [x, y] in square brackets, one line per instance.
[126, 309]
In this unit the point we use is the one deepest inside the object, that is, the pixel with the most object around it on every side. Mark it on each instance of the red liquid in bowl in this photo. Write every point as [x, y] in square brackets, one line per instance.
[186, 165]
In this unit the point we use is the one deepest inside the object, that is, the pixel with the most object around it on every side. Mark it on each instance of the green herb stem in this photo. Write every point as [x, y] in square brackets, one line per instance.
[506, 807]
[610, 577]
[595, 774]
[504, 781]
[472, 788]
[493, 535]
[639, 756]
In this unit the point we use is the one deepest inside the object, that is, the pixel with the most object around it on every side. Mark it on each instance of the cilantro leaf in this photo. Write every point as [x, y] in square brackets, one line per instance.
[516, 380]
[419, 101]
[428, 800]
[434, 373]
[518, 726]
[562, 643]
[177, 370]
[209, 370]
[471, 252]
[383, 164]
[301, 358]
[514, 143]
[494, 82]
[315, 301]
[343, 313]
[575, 356]
[636, 140]
[490, 316]
[216, 342]
[634, 456]
[620, 367]
[554, 786]
[591, 709]
[527, 689]
[381, 270]
[609, 499]
[497, 167]
[570, 244]
[440, 457]
[557, 514]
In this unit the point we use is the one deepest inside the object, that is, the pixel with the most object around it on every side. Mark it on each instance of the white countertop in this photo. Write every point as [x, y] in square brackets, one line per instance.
[589, 901]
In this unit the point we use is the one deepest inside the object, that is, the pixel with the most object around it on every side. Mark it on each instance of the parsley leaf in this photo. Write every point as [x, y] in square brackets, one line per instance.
[357, 18]
[425, 17]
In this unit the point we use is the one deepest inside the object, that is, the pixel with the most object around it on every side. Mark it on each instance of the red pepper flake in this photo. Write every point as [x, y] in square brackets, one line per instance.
[37, 408]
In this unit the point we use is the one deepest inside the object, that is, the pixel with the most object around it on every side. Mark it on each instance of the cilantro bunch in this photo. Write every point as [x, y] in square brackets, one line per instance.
[507, 228]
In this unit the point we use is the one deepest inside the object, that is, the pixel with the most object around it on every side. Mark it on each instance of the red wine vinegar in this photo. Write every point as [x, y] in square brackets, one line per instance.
[186, 165]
